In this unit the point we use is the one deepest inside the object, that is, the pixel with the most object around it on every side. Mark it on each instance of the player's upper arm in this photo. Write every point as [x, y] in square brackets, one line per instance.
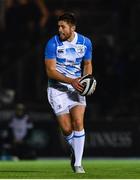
[88, 53]
[50, 50]
[50, 55]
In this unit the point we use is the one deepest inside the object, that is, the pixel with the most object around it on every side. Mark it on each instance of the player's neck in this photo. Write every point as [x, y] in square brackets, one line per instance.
[71, 37]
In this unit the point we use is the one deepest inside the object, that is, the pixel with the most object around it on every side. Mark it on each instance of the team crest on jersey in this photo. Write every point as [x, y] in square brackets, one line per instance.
[80, 49]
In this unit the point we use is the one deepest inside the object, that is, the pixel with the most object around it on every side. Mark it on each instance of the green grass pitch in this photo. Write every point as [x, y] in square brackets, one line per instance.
[60, 169]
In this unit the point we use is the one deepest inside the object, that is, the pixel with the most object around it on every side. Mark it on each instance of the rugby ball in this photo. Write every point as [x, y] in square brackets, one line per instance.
[89, 83]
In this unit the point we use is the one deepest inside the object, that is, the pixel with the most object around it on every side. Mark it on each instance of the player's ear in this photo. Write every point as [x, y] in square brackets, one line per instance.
[73, 27]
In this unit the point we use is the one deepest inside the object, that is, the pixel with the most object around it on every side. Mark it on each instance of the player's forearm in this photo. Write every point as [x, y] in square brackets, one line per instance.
[87, 69]
[53, 74]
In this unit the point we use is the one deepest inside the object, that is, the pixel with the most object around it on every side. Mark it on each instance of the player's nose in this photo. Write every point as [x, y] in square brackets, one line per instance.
[60, 29]
[60, 32]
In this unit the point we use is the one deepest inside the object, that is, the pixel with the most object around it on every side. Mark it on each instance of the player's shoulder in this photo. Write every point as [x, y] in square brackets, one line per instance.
[54, 40]
[83, 39]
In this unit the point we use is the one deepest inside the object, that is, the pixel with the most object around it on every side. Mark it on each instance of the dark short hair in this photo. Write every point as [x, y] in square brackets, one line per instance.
[68, 17]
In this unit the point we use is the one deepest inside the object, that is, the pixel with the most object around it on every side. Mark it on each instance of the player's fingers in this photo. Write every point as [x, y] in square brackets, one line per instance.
[75, 83]
[79, 87]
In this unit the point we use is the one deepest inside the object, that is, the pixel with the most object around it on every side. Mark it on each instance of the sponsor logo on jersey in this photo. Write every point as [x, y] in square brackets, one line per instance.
[60, 51]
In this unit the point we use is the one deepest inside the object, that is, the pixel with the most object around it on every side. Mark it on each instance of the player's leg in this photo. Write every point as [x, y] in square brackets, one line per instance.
[77, 115]
[59, 103]
[67, 129]
[65, 124]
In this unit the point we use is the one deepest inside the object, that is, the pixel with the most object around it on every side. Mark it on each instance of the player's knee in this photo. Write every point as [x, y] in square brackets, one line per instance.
[78, 125]
[67, 131]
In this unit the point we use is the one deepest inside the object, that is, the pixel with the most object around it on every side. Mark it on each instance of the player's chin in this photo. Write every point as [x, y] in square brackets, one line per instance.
[62, 37]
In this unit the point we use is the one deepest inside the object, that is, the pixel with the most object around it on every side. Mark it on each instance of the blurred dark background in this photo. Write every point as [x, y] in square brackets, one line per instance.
[112, 119]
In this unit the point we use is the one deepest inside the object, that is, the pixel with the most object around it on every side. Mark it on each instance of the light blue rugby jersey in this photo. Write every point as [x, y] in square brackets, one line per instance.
[68, 55]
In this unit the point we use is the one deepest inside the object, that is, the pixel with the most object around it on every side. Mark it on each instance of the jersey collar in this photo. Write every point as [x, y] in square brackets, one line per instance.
[74, 41]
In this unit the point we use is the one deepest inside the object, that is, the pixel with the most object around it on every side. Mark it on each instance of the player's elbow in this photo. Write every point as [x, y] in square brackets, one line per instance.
[50, 72]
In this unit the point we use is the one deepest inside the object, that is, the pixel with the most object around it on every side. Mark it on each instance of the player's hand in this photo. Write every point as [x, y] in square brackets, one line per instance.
[75, 83]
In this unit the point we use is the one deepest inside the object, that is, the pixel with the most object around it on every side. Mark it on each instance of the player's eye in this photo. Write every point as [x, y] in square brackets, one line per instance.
[62, 27]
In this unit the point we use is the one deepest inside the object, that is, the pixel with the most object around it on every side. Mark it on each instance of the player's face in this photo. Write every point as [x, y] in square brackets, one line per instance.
[65, 30]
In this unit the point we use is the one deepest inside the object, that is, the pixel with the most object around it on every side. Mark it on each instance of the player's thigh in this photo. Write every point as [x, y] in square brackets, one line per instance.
[64, 121]
[77, 116]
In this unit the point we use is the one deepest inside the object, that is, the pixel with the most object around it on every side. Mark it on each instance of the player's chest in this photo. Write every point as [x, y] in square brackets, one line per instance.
[71, 51]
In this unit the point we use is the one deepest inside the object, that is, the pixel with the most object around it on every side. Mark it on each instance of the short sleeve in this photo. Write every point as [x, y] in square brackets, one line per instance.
[88, 53]
[50, 49]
